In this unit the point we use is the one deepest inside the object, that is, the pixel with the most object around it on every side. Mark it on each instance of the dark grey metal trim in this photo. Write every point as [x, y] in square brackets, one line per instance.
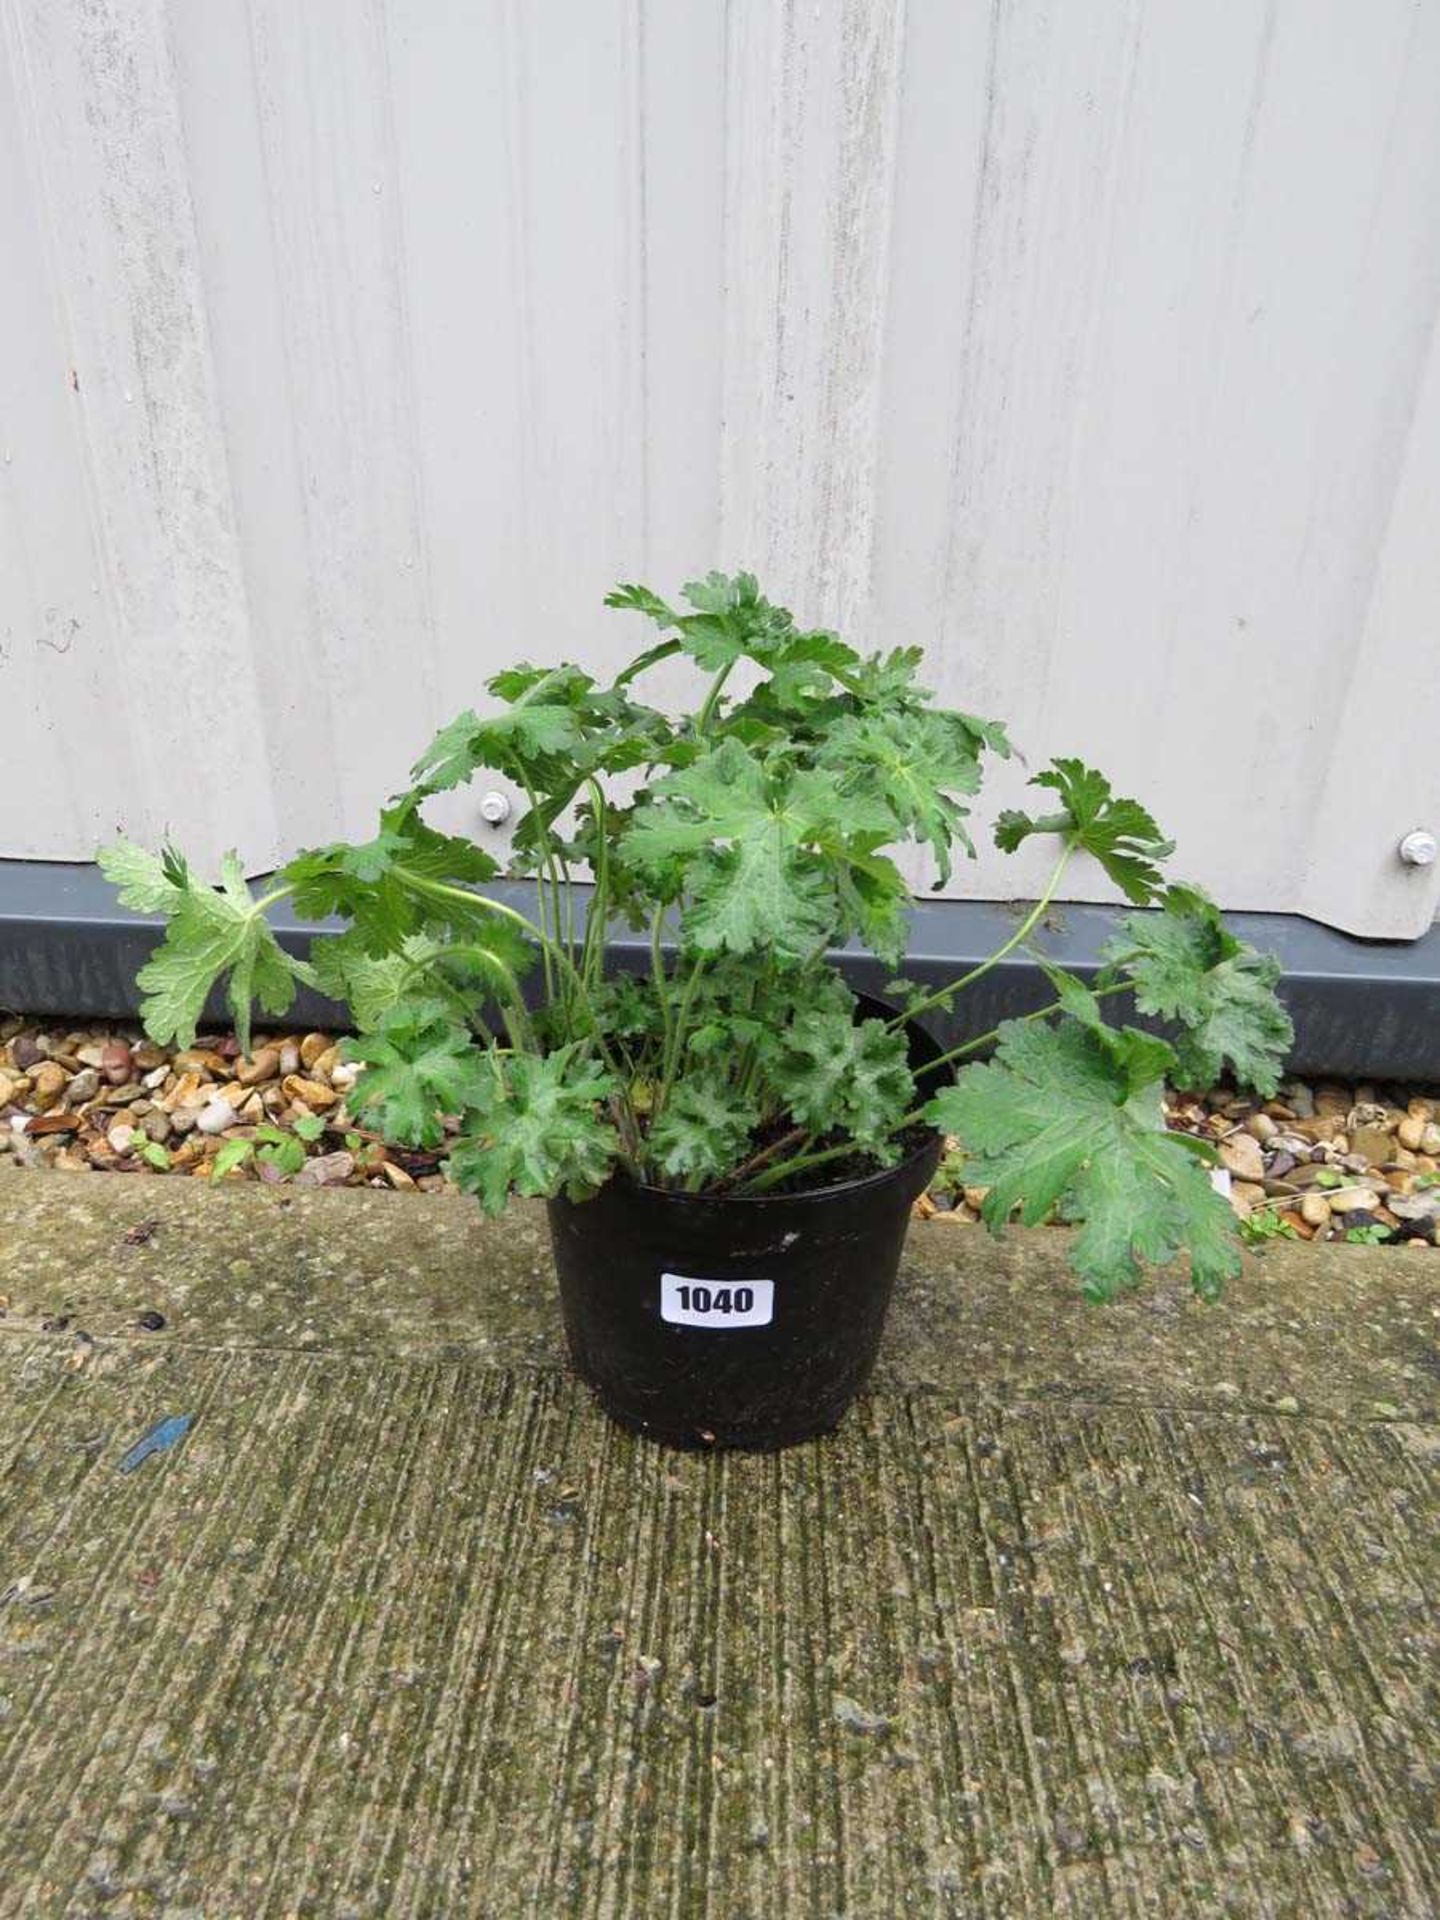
[1362, 1008]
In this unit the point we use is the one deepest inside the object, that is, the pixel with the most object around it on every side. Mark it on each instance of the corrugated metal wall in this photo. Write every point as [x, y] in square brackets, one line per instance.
[351, 349]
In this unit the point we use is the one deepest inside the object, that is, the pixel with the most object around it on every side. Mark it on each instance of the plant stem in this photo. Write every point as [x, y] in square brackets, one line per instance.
[1036, 1013]
[482, 903]
[592, 956]
[794, 1138]
[712, 697]
[675, 1044]
[788, 1168]
[657, 974]
[1032, 919]
[546, 868]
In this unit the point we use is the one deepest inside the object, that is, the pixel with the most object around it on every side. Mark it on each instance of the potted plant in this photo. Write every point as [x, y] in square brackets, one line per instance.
[731, 1142]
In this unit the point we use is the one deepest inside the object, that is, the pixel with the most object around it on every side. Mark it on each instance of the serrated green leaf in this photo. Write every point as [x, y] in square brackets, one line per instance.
[759, 851]
[1185, 965]
[732, 620]
[839, 1075]
[1117, 832]
[214, 936]
[875, 903]
[1065, 1114]
[368, 986]
[630, 598]
[420, 1063]
[704, 1128]
[380, 885]
[748, 897]
[914, 763]
[140, 878]
[540, 724]
[535, 1127]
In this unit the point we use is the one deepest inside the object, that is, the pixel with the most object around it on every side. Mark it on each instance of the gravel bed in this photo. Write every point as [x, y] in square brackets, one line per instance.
[1322, 1161]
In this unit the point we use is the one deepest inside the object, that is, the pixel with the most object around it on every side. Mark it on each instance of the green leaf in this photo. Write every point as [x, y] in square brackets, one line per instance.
[142, 879]
[420, 1063]
[380, 884]
[540, 722]
[214, 936]
[233, 1153]
[369, 986]
[749, 897]
[1185, 965]
[1119, 833]
[732, 620]
[282, 1151]
[1071, 1114]
[839, 1075]
[875, 903]
[157, 1155]
[534, 1127]
[915, 763]
[704, 1128]
[487, 964]
[760, 851]
[637, 599]
[629, 1008]
[308, 1126]
[1264, 1225]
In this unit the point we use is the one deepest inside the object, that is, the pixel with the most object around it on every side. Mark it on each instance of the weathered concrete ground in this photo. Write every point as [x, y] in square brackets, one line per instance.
[1121, 1612]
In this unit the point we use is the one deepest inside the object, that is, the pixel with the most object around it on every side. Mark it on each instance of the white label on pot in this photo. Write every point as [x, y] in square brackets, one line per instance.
[716, 1303]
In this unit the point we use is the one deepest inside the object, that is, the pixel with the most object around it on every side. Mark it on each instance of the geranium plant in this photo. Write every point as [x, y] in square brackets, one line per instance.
[750, 839]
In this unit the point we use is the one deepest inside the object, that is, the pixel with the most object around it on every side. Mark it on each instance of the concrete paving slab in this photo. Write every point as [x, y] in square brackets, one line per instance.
[1122, 1612]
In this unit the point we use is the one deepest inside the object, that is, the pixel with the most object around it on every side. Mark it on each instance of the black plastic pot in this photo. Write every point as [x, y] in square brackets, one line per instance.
[735, 1321]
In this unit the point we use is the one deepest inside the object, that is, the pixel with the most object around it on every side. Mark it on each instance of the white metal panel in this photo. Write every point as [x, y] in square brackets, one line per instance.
[141, 649]
[350, 350]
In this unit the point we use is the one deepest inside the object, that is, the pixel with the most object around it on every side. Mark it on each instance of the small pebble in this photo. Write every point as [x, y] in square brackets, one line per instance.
[83, 1086]
[115, 1062]
[1242, 1156]
[263, 1065]
[47, 1083]
[1372, 1144]
[309, 1093]
[326, 1170]
[214, 1118]
[1352, 1200]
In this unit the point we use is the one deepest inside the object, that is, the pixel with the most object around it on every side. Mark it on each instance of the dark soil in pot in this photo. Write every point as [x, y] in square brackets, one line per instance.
[734, 1321]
